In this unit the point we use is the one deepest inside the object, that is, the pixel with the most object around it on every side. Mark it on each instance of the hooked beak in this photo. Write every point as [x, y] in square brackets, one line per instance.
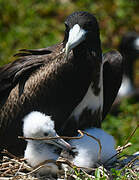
[76, 36]
[61, 143]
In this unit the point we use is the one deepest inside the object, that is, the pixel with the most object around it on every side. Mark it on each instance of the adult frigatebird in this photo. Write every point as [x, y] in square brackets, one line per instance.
[52, 80]
[129, 48]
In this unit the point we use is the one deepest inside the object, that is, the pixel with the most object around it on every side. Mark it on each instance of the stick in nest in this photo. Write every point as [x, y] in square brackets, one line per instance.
[4, 151]
[126, 145]
[70, 164]
[99, 143]
[51, 138]
[82, 133]
[66, 137]
[130, 136]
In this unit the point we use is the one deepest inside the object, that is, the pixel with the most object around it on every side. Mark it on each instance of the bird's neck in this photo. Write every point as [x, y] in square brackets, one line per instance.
[92, 103]
[88, 48]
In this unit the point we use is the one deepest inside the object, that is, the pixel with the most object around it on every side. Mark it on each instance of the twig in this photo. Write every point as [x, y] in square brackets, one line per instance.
[19, 168]
[121, 148]
[130, 136]
[9, 154]
[103, 171]
[66, 161]
[4, 173]
[34, 170]
[88, 175]
[100, 147]
[40, 165]
[27, 167]
[5, 178]
[131, 162]
[4, 164]
[132, 172]
[45, 162]
[51, 138]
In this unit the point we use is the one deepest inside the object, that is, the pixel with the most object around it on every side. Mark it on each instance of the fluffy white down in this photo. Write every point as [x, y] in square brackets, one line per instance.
[35, 124]
[37, 153]
[88, 148]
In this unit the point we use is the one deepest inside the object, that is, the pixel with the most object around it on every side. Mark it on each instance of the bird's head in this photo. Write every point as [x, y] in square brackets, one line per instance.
[129, 46]
[38, 125]
[82, 31]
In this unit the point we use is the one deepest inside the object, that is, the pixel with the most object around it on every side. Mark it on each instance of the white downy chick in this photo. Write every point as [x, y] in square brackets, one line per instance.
[88, 148]
[39, 125]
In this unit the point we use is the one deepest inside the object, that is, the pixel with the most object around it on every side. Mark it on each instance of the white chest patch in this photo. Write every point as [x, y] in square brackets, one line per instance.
[126, 87]
[90, 100]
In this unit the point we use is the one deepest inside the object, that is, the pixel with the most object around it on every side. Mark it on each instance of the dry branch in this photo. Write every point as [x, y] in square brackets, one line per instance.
[51, 138]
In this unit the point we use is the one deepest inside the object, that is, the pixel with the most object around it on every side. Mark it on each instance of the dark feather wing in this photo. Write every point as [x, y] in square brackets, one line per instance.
[42, 51]
[18, 71]
[112, 78]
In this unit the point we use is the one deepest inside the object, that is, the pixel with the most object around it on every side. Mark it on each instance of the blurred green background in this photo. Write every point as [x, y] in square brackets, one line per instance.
[39, 23]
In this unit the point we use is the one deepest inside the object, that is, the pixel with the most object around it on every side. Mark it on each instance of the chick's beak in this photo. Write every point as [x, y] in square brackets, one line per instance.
[61, 143]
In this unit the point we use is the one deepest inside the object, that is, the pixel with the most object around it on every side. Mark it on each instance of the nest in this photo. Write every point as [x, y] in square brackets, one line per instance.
[15, 168]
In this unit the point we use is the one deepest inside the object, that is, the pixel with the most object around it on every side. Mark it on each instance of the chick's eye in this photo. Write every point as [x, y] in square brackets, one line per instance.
[46, 134]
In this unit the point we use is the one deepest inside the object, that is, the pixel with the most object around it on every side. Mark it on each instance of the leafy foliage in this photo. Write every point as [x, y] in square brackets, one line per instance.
[39, 23]
[123, 124]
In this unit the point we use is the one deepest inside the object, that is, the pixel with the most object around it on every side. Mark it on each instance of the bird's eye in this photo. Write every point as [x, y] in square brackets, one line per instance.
[87, 25]
[46, 134]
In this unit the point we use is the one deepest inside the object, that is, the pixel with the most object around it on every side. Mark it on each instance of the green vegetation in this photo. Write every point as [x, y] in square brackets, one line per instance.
[103, 174]
[39, 23]
[123, 124]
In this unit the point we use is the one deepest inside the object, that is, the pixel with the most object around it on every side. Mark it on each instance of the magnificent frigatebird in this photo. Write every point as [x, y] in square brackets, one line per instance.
[129, 48]
[52, 80]
[38, 125]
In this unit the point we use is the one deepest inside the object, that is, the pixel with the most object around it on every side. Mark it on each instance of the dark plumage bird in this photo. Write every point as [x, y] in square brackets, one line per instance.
[45, 80]
[129, 48]
[71, 80]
